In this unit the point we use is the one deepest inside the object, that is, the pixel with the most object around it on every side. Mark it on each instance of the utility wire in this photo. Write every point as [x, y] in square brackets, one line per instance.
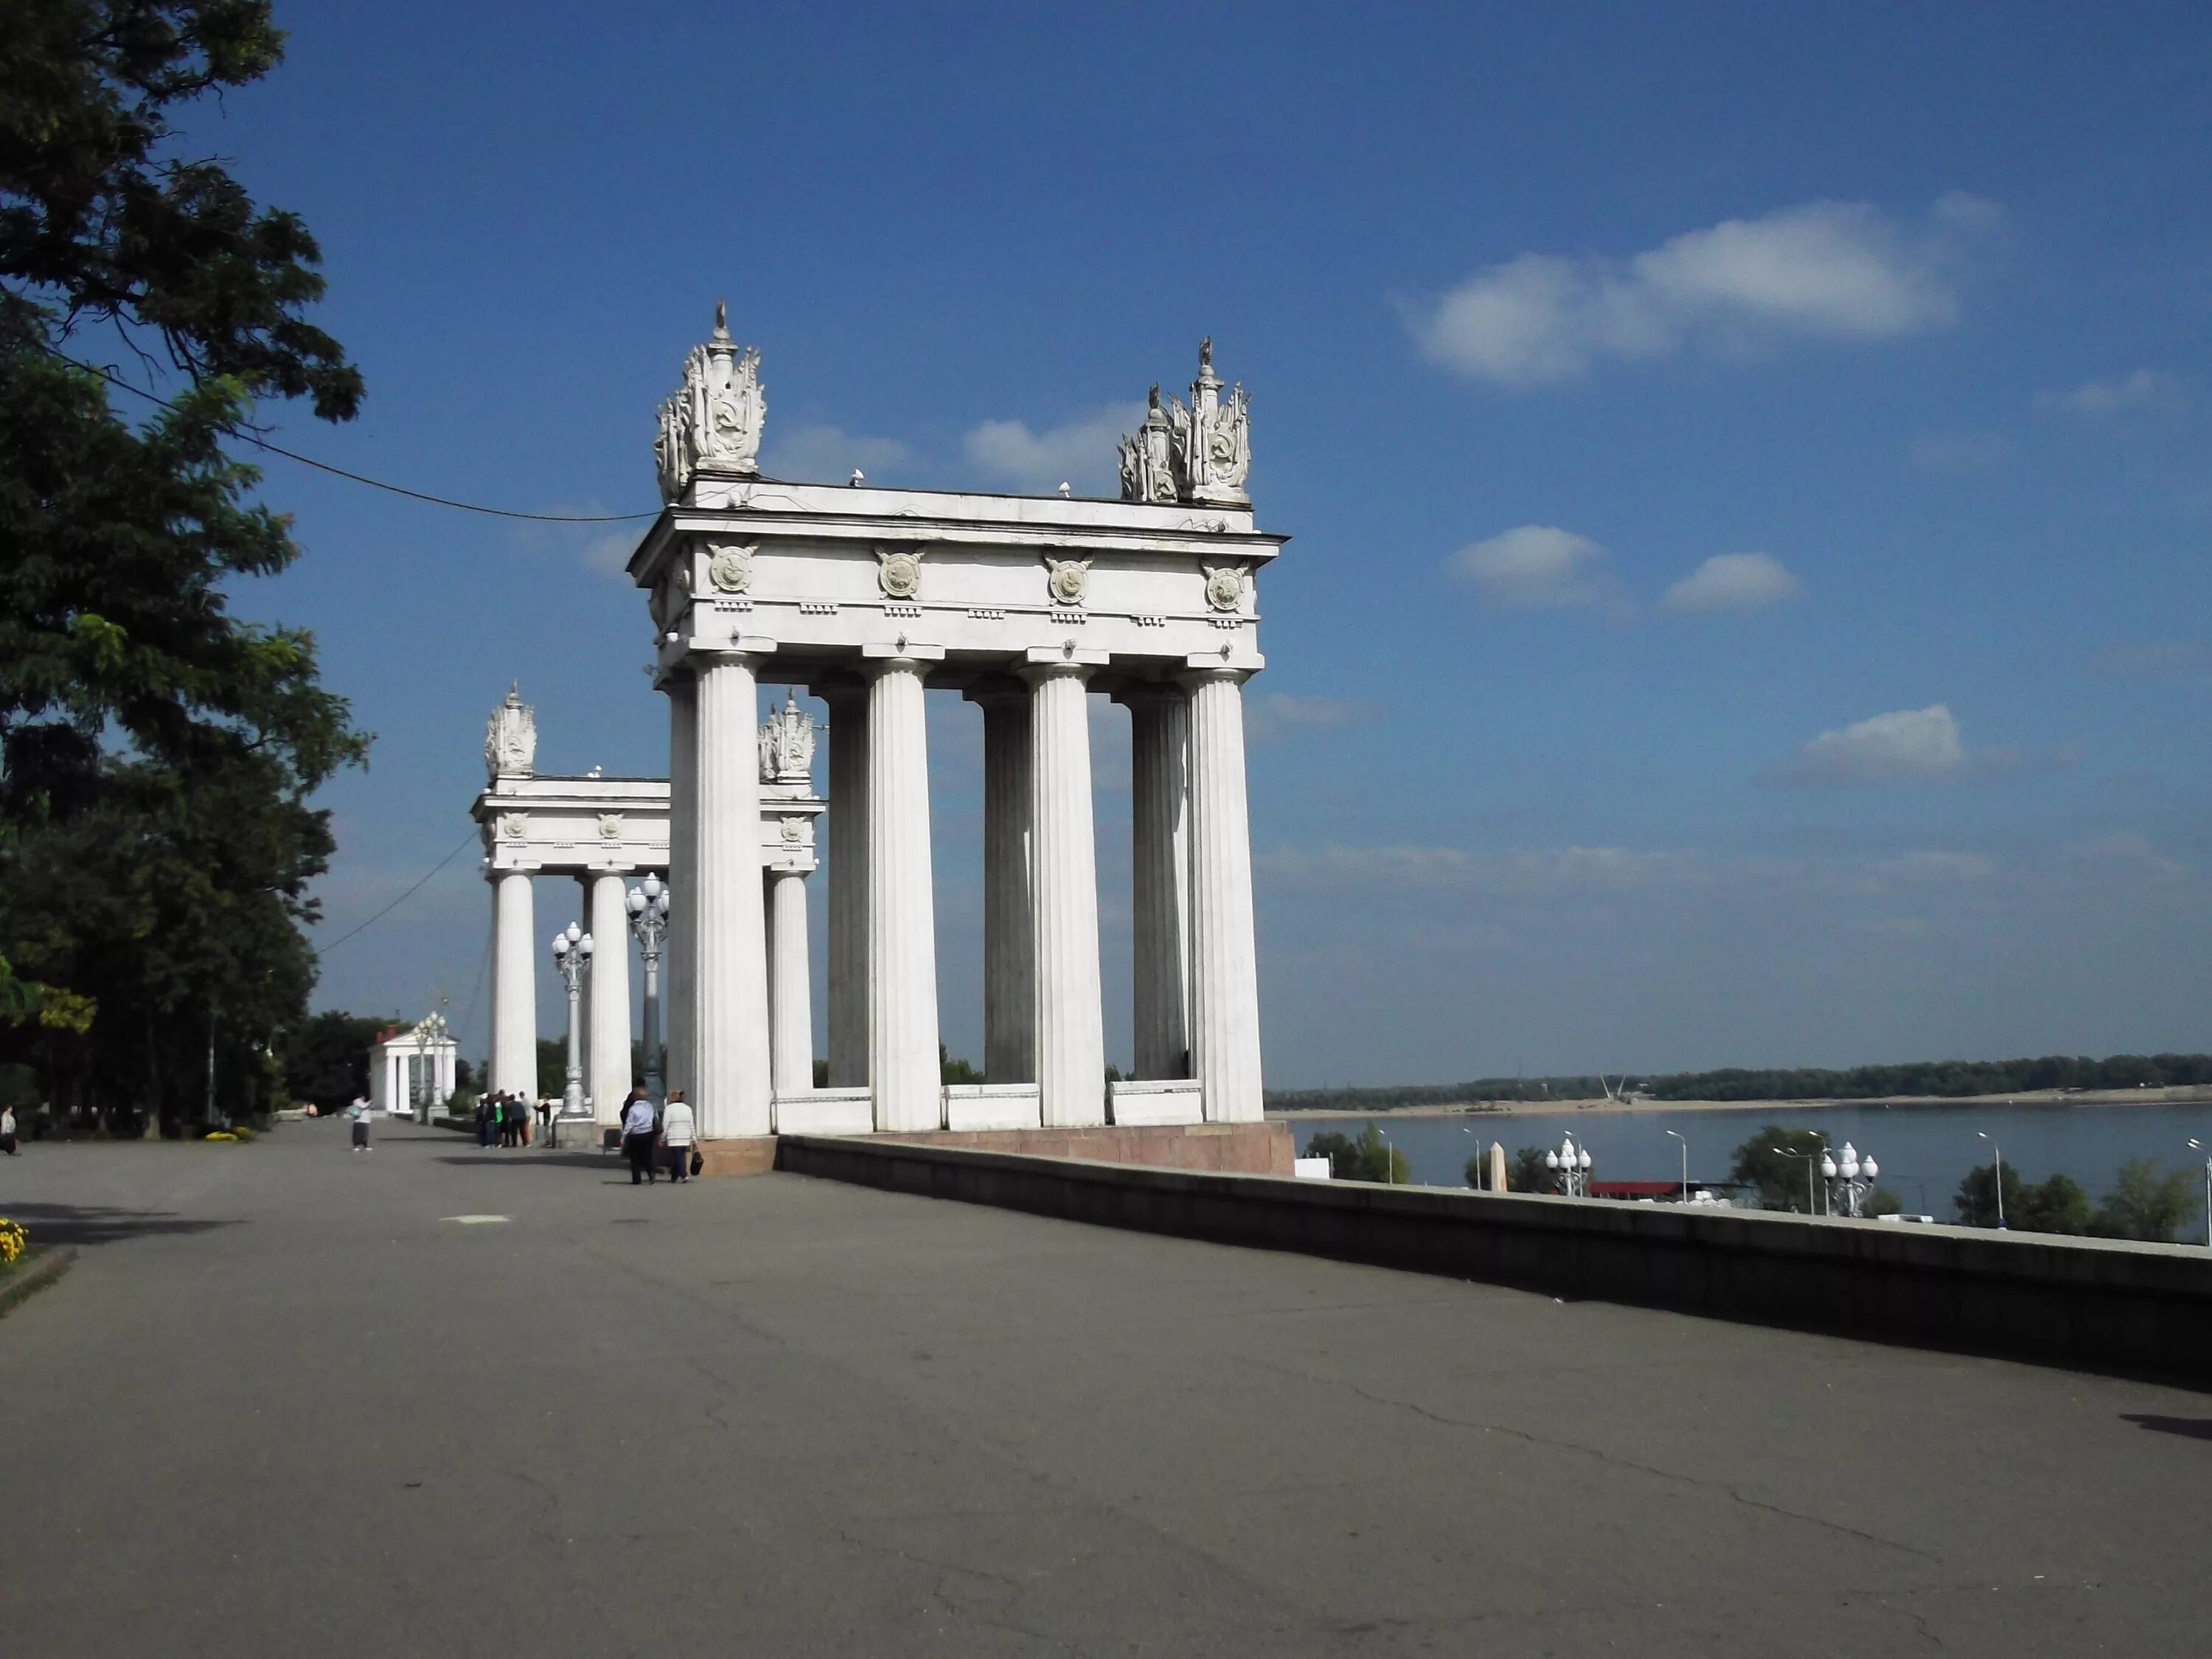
[115, 379]
[402, 898]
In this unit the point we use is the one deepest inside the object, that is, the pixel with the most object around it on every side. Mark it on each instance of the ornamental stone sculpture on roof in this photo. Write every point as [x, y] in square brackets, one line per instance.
[1201, 453]
[510, 737]
[712, 421]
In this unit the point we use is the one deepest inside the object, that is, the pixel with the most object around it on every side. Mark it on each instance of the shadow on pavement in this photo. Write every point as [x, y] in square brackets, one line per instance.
[2192, 1428]
[96, 1224]
[538, 1160]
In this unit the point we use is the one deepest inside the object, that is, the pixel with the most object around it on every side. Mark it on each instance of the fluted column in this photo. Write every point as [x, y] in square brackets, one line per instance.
[1159, 839]
[1009, 979]
[848, 885]
[678, 1013]
[730, 1087]
[790, 995]
[514, 985]
[1071, 1037]
[902, 1064]
[609, 1078]
[1224, 978]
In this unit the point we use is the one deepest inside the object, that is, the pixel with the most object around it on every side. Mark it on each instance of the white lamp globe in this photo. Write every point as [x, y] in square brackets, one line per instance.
[1827, 1167]
[1868, 1168]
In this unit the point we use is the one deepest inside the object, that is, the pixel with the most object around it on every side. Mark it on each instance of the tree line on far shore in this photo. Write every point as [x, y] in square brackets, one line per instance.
[1777, 1168]
[1943, 1078]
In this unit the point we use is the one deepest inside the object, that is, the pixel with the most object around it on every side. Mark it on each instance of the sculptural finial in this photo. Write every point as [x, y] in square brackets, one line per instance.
[1154, 400]
[1205, 353]
[721, 320]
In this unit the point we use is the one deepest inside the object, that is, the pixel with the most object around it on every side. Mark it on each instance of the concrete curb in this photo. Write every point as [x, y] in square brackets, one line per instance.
[2102, 1305]
[28, 1283]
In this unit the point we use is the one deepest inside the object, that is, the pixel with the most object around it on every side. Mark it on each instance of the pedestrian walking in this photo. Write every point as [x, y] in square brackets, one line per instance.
[8, 1130]
[638, 1137]
[676, 1134]
[544, 1119]
[486, 1115]
[357, 1115]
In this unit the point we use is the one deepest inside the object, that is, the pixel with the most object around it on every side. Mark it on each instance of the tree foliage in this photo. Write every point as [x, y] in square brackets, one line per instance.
[1363, 1157]
[156, 753]
[1526, 1172]
[2149, 1202]
[1775, 1161]
[2056, 1205]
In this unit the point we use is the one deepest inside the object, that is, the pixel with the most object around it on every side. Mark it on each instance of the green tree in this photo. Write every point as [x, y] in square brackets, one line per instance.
[2056, 1205]
[552, 1067]
[155, 752]
[1775, 1160]
[1527, 1173]
[952, 1069]
[2148, 1201]
[325, 1057]
[1363, 1157]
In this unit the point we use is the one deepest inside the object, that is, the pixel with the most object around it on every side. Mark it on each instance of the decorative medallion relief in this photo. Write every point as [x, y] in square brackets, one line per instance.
[1225, 586]
[899, 571]
[1068, 579]
[793, 831]
[610, 826]
[513, 825]
[730, 565]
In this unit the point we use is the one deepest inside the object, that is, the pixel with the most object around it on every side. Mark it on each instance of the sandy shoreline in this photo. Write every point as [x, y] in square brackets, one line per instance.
[1604, 1107]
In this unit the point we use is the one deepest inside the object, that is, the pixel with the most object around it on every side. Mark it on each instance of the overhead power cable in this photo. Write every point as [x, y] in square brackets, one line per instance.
[325, 950]
[115, 379]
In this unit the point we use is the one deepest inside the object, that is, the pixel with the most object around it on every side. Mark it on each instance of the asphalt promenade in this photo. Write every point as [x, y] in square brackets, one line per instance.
[285, 1404]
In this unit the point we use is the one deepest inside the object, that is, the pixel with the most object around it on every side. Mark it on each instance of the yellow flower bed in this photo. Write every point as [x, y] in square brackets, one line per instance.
[14, 1240]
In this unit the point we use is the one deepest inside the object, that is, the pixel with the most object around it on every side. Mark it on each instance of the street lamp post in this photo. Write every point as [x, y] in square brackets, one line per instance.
[1850, 1167]
[1571, 1164]
[2202, 1147]
[428, 1030]
[1997, 1152]
[1685, 1165]
[649, 905]
[1812, 1158]
[572, 958]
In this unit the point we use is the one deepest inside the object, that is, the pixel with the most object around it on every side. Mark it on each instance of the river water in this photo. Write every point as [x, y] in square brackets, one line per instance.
[1924, 1151]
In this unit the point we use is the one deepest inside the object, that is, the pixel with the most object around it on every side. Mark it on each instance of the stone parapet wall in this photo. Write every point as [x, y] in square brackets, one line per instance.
[2139, 1308]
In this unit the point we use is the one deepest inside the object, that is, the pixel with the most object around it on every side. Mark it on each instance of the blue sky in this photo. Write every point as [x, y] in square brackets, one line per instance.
[1750, 466]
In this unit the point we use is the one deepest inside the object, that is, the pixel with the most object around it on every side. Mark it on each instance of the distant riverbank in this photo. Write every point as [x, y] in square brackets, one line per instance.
[1602, 1107]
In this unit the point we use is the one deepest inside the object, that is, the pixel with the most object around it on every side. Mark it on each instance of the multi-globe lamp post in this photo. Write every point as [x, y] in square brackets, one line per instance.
[1571, 1164]
[572, 958]
[649, 905]
[1844, 1175]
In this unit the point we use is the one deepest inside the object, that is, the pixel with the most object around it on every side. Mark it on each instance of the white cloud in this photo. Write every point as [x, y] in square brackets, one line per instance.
[1918, 745]
[826, 454]
[1523, 874]
[1825, 269]
[1732, 582]
[2100, 400]
[1274, 716]
[1535, 565]
[1081, 452]
[1960, 451]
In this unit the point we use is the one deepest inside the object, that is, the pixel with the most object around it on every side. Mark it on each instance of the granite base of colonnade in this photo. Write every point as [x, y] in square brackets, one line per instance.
[2092, 1304]
[1264, 1149]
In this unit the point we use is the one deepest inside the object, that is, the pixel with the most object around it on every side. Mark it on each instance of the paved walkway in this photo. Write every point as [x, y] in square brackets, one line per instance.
[287, 1405]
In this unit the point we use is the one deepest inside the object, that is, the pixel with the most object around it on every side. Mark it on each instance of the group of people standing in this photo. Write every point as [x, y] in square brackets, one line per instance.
[671, 1131]
[503, 1118]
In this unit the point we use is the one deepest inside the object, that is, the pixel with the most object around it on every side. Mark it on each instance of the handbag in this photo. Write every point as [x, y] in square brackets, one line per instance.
[698, 1161]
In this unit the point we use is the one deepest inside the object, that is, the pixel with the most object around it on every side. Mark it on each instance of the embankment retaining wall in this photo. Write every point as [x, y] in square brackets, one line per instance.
[2142, 1309]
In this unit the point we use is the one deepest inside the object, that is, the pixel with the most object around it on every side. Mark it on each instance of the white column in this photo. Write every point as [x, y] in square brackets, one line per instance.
[902, 1064]
[1159, 792]
[790, 994]
[514, 985]
[677, 1011]
[730, 1089]
[608, 1080]
[848, 885]
[1071, 1037]
[1009, 976]
[1225, 979]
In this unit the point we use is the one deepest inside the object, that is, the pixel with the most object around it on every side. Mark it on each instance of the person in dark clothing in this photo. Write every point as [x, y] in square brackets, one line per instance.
[640, 1134]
